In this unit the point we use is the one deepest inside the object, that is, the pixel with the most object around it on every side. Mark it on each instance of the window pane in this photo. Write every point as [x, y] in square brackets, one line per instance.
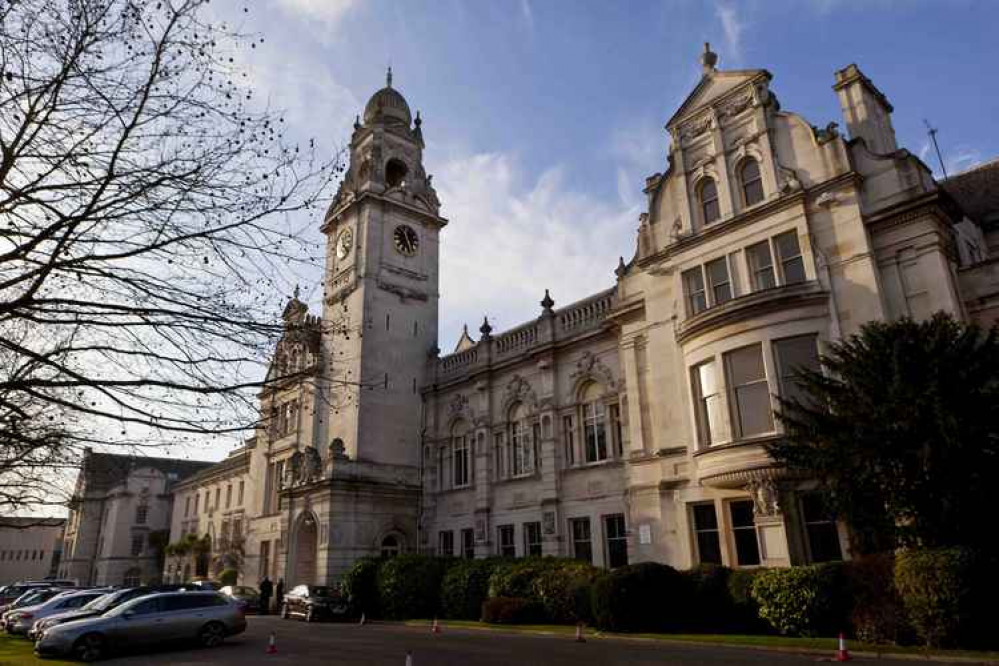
[755, 415]
[617, 541]
[693, 287]
[789, 254]
[709, 201]
[747, 547]
[794, 355]
[708, 403]
[749, 391]
[745, 364]
[705, 517]
[721, 288]
[706, 529]
[820, 529]
[761, 266]
[581, 547]
[752, 183]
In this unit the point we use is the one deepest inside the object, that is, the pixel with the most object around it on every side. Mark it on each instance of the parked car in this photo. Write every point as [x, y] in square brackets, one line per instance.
[313, 602]
[206, 585]
[98, 606]
[20, 620]
[247, 596]
[207, 617]
[32, 597]
[9, 593]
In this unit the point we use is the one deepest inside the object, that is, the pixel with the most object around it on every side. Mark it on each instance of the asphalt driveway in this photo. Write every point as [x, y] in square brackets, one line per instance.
[301, 644]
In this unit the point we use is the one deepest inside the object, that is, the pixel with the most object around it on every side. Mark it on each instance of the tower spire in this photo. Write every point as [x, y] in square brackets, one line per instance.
[388, 77]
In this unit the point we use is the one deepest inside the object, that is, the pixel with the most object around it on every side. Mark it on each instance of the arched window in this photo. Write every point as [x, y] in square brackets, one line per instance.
[390, 546]
[461, 455]
[594, 424]
[133, 577]
[708, 195]
[522, 457]
[752, 182]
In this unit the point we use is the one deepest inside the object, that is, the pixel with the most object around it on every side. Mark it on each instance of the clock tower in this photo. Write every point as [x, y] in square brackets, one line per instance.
[381, 287]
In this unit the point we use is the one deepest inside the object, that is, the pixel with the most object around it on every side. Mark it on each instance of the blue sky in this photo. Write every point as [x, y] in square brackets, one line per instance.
[542, 118]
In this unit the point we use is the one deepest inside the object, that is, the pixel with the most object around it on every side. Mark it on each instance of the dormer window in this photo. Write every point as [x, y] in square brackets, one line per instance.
[708, 196]
[752, 182]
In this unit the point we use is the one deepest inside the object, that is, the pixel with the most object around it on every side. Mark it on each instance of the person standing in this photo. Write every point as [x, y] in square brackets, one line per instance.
[279, 594]
[266, 589]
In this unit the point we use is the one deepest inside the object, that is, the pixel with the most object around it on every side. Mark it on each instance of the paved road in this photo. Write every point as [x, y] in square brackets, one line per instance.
[301, 644]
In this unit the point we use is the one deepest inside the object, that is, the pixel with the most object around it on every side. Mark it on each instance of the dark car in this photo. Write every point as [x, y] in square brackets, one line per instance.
[313, 602]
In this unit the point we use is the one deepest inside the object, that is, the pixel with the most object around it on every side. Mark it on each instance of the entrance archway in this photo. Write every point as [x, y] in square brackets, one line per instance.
[306, 545]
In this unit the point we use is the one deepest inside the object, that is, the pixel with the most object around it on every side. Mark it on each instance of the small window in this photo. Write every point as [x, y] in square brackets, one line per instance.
[468, 543]
[721, 285]
[761, 266]
[820, 529]
[693, 290]
[749, 394]
[569, 438]
[707, 403]
[792, 266]
[617, 540]
[137, 544]
[752, 182]
[706, 532]
[141, 513]
[445, 543]
[747, 546]
[582, 545]
[395, 173]
[532, 539]
[506, 543]
[708, 193]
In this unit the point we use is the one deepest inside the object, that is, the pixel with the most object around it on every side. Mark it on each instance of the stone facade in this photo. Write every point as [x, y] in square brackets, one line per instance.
[119, 517]
[629, 426]
[30, 548]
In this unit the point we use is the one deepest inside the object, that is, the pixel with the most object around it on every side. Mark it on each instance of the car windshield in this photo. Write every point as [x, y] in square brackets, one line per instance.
[31, 598]
[103, 602]
[319, 591]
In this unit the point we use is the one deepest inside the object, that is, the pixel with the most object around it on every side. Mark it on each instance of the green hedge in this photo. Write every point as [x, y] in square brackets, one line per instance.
[745, 617]
[564, 590]
[360, 585]
[641, 597]
[465, 587]
[809, 600]
[877, 615]
[409, 586]
[512, 610]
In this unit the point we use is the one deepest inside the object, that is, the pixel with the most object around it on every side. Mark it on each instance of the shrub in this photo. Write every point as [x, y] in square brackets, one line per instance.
[511, 610]
[228, 577]
[564, 590]
[360, 585]
[745, 609]
[641, 597]
[808, 600]
[948, 595]
[877, 615]
[464, 587]
[515, 578]
[711, 608]
[409, 586]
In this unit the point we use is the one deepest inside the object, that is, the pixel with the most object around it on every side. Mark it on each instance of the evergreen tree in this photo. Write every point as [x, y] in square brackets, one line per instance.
[902, 430]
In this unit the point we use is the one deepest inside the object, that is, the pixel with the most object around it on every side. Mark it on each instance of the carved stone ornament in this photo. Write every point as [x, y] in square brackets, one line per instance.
[312, 465]
[517, 389]
[737, 105]
[294, 470]
[766, 500]
[591, 367]
[696, 127]
[459, 403]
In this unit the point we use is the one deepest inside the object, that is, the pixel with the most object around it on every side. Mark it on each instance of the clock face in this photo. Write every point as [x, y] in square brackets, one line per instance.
[405, 239]
[344, 242]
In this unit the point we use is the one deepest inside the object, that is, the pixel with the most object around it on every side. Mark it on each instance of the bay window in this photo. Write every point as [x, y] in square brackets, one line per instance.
[792, 266]
[749, 394]
[707, 403]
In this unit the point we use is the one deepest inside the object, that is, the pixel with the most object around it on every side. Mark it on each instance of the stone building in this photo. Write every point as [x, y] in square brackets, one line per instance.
[628, 426]
[119, 518]
[30, 548]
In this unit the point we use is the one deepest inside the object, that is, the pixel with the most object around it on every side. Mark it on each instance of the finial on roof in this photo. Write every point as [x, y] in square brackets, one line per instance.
[708, 59]
[357, 122]
[418, 121]
[388, 77]
[464, 329]
[485, 329]
[297, 291]
[547, 301]
[621, 267]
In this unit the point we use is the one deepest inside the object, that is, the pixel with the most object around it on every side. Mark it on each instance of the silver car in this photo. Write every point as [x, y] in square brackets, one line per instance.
[19, 621]
[207, 617]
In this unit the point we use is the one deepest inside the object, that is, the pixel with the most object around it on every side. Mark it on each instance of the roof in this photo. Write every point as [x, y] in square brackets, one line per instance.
[976, 190]
[103, 470]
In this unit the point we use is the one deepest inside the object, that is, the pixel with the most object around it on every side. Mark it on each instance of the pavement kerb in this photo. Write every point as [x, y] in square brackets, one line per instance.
[863, 654]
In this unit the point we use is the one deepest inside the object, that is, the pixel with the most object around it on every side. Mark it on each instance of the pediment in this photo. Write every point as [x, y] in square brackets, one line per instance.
[713, 87]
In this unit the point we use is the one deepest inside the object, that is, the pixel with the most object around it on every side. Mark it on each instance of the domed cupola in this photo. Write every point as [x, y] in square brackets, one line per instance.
[387, 106]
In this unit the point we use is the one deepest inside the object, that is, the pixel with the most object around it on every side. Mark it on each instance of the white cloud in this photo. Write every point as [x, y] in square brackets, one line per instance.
[511, 237]
[329, 12]
[732, 26]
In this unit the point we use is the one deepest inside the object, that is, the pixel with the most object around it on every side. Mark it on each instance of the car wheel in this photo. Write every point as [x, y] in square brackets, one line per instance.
[284, 611]
[89, 647]
[212, 634]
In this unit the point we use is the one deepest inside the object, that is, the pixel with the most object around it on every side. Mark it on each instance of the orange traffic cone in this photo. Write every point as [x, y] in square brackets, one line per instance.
[842, 654]
[362, 622]
[271, 645]
[579, 633]
[436, 628]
